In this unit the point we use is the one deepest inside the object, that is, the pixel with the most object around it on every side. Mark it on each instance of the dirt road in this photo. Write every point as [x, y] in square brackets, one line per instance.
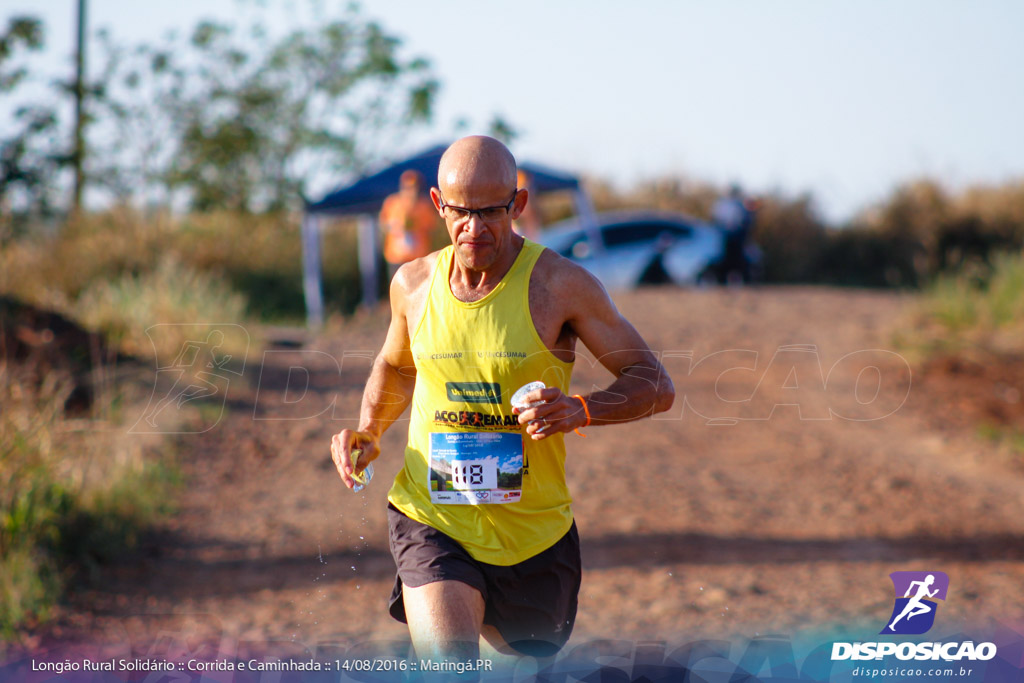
[757, 504]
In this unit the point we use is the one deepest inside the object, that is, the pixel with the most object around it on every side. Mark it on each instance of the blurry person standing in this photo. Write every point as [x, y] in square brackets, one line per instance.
[408, 220]
[734, 216]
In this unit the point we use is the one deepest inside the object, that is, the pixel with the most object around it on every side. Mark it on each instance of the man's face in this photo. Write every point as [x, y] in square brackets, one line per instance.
[479, 243]
[409, 190]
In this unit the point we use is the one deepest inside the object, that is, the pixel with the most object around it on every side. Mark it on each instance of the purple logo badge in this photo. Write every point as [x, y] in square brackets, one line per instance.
[916, 595]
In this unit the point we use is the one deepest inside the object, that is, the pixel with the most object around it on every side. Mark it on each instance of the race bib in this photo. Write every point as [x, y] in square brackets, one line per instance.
[475, 468]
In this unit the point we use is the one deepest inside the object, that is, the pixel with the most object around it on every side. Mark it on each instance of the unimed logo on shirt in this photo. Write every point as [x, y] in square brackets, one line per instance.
[473, 392]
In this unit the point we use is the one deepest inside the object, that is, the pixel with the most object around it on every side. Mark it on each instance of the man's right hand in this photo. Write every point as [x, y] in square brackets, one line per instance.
[342, 445]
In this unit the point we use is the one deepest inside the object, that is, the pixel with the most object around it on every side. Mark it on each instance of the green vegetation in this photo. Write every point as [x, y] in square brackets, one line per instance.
[510, 480]
[261, 258]
[226, 117]
[74, 494]
[1012, 438]
[979, 306]
[226, 121]
[172, 292]
[70, 498]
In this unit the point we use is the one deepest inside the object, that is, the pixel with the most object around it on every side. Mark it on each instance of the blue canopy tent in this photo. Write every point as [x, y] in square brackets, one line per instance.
[364, 199]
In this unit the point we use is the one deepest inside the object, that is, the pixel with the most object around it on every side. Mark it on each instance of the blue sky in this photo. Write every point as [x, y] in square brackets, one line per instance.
[843, 99]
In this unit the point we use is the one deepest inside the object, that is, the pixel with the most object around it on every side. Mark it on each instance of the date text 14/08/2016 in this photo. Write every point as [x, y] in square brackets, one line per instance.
[412, 665]
[193, 665]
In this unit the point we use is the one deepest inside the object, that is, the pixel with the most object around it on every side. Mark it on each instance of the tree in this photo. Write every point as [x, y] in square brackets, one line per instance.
[29, 161]
[21, 32]
[245, 123]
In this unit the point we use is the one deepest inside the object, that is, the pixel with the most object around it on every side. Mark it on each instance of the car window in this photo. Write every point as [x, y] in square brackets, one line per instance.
[680, 231]
[632, 233]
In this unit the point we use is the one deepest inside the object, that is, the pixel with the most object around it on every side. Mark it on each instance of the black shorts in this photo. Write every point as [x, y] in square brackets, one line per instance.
[532, 604]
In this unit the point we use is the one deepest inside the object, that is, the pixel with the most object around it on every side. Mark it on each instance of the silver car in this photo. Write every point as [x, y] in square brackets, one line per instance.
[627, 249]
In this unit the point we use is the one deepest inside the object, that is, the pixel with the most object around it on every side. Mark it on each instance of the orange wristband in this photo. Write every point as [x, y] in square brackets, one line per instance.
[586, 411]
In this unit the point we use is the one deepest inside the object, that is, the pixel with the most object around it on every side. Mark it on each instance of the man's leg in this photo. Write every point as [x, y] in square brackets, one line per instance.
[504, 659]
[445, 619]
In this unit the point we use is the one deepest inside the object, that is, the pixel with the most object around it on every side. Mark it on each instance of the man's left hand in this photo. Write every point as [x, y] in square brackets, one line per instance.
[557, 413]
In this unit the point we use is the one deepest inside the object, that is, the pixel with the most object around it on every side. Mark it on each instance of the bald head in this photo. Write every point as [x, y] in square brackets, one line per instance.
[477, 160]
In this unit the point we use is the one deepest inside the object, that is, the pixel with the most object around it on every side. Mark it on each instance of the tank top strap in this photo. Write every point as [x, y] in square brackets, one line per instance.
[518, 276]
[528, 259]
[441, 266]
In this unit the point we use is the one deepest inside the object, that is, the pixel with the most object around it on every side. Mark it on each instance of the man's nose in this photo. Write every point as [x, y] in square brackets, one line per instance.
[475, 225]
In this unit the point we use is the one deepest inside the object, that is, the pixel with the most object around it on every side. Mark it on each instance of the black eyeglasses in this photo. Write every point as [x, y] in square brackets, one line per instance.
[488, 214]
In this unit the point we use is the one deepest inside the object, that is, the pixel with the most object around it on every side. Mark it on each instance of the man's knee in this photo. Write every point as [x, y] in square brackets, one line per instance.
[445, 614]
[494, 640]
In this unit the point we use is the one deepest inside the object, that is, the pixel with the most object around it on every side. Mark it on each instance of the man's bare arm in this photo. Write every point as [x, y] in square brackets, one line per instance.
[641, 387]
[388, 391]
[386, 396]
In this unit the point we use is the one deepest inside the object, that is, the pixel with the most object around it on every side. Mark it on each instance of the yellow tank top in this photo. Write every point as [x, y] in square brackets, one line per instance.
[470, 469]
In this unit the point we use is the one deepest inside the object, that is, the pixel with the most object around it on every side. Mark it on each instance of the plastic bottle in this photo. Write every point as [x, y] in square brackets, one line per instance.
[518, 399]
[364, 477]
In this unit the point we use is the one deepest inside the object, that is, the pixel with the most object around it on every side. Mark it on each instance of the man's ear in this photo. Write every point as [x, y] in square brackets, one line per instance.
[435, 197]
[522, 197]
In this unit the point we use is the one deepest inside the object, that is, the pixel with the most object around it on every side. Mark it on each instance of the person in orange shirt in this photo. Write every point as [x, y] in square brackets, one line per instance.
[408, 219]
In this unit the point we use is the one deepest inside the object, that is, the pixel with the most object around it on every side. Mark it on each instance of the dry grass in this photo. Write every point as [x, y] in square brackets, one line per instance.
[73, 494]
[177, 295]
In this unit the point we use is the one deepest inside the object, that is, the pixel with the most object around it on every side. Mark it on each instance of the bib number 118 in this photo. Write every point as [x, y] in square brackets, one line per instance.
[470, 475]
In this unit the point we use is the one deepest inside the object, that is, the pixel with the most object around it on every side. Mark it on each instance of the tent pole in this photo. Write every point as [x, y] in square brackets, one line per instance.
[368, 263]
[311, 277]
[587, 216]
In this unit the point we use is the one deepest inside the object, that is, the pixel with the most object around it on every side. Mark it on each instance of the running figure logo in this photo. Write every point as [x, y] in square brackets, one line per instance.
[200, 371]
[914, 613]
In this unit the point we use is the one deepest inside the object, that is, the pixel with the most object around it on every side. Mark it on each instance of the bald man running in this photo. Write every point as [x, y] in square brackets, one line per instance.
[480, 522]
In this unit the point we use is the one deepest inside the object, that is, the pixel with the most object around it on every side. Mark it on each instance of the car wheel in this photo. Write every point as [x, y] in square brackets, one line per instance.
[708, 277]
[655, 273]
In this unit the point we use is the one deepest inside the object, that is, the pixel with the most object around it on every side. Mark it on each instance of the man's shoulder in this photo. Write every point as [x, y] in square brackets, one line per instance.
[559, 274]
[415, 275]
